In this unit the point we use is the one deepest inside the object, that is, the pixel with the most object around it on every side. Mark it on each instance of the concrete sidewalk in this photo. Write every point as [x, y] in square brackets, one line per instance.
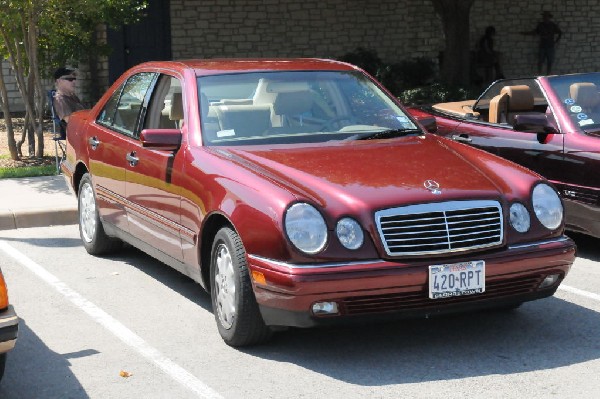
[36, 202]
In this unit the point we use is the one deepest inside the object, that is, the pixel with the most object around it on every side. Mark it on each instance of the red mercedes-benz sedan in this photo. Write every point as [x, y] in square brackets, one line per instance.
[298, 192]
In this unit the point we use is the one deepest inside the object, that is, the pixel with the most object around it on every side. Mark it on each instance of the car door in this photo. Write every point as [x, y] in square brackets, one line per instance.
[154, 201]
[108, 140]
[542, 153]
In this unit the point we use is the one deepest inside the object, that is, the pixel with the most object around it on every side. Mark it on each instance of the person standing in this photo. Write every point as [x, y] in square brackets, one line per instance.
[65, 100]
[549, 34]
[487, 56]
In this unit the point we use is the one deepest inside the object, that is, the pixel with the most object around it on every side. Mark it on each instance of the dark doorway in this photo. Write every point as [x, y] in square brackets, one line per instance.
[147, 40]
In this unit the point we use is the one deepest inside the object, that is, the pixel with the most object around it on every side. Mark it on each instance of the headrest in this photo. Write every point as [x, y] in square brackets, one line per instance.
[176, 113]
[520, 97]
[585, 94]
[293, 102]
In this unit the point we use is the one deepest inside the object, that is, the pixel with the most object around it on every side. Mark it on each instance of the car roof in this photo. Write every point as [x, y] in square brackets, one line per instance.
[229, 65]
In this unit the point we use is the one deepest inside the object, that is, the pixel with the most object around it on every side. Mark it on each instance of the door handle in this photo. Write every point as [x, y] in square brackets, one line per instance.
[461, 138]
[93, 142]
[132, 159]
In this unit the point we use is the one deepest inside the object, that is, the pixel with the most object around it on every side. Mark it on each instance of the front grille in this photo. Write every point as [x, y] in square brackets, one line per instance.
[439, 228]
[407, 301]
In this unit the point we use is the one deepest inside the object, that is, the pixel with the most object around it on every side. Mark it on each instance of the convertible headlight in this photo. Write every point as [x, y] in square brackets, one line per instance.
[305, 228]
[349, 233]
[547, 206]
[519, 217]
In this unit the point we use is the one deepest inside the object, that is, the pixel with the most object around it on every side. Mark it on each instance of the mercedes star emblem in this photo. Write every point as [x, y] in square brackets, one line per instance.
[432, 186]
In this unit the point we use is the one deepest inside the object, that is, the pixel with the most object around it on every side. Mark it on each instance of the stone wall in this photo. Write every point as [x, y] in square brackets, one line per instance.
[14, 98]
[396, 29]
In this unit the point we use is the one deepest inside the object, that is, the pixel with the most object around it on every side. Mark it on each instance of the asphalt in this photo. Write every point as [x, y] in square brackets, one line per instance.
[36, 202]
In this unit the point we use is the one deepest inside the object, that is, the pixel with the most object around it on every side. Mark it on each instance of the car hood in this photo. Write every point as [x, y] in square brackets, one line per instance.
[376, 173]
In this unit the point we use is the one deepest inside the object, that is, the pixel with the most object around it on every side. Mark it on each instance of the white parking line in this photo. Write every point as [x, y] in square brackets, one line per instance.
[577, 291]
[131, 339]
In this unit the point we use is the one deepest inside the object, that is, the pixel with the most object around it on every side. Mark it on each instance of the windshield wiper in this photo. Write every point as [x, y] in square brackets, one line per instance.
[387, 134]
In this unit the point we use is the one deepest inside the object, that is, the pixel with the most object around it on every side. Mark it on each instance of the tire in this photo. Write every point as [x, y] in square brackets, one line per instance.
[2, 365]
[234, 305]
[91, 231]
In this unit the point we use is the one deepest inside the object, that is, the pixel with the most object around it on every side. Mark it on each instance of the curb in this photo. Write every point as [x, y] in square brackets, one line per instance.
[37, 217]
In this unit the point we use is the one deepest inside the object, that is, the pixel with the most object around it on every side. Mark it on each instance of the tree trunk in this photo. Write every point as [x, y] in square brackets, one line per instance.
[10, 133]
[455, 68]
[18, 62]
[35, 82]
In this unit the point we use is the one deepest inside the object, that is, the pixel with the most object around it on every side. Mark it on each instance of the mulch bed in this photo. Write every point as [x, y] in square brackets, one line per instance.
[26, 160]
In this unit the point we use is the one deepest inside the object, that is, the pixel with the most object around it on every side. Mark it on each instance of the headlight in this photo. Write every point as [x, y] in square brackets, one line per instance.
[349, 233]
[519, 217]
[547, 206]
[305, 228]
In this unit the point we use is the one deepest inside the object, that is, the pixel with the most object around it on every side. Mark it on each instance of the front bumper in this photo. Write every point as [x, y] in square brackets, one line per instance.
[383, 289]
[9, 328]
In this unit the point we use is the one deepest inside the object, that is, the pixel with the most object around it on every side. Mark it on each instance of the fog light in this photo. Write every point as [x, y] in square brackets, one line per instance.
[325, 308]
[549, 281]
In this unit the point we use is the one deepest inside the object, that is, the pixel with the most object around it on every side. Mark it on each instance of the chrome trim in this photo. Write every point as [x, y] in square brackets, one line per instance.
[7, 345]
[538, 243]
[444, 233]
[315, 266]
[380, 261]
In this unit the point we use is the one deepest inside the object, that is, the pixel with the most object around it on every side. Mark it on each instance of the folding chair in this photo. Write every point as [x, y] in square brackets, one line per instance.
[59, 134]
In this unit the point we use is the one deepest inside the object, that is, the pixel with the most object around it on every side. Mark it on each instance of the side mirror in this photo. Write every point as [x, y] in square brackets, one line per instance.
[534, 123]
[161, 139]
[428, 123]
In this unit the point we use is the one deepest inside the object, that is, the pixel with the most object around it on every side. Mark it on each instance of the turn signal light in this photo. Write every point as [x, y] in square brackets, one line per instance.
[3, 293]
[259, 278]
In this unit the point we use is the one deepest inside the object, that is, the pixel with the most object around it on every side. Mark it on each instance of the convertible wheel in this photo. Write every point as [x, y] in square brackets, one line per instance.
[95, 240]
[238, 318]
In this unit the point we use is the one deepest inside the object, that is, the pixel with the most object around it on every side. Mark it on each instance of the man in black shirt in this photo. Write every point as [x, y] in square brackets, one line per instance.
[549, 34]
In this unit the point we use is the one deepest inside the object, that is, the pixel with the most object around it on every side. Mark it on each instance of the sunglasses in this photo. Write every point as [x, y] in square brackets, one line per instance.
[69, 79]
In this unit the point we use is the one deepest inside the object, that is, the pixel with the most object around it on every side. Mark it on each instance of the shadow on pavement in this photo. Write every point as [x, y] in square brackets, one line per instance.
[35, 371]
[47, 242]
[587, 247]
[541, 335]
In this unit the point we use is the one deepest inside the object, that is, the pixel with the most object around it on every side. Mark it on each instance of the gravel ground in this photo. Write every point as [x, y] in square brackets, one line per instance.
[26, 160]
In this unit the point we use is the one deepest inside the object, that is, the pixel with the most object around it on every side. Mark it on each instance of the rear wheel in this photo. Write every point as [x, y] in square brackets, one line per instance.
[2, 364]
[95, 240]
[238, 318]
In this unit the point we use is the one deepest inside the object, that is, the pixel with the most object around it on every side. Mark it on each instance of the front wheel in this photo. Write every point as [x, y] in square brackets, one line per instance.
[95, 240]
[238, 318]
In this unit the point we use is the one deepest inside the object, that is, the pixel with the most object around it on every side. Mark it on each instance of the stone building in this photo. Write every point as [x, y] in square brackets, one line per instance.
[396, 29]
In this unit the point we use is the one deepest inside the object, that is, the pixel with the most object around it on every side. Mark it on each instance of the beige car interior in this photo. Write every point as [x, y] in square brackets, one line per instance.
[166, 108]
[511, 101]
[276, 107]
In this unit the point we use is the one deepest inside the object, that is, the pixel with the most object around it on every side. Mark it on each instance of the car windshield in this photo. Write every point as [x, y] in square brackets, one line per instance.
[483, 102]
[580, 98]
[296, 107]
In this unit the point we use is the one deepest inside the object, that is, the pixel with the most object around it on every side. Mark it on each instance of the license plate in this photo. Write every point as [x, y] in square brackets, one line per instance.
[466, 278]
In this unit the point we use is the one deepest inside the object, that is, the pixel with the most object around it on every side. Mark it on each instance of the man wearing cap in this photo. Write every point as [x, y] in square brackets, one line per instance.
[65, 100]
[546, 30]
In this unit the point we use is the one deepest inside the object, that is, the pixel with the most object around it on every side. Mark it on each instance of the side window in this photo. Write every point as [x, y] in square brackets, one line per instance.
[166, 105]
[107, 116]
[123, 115]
